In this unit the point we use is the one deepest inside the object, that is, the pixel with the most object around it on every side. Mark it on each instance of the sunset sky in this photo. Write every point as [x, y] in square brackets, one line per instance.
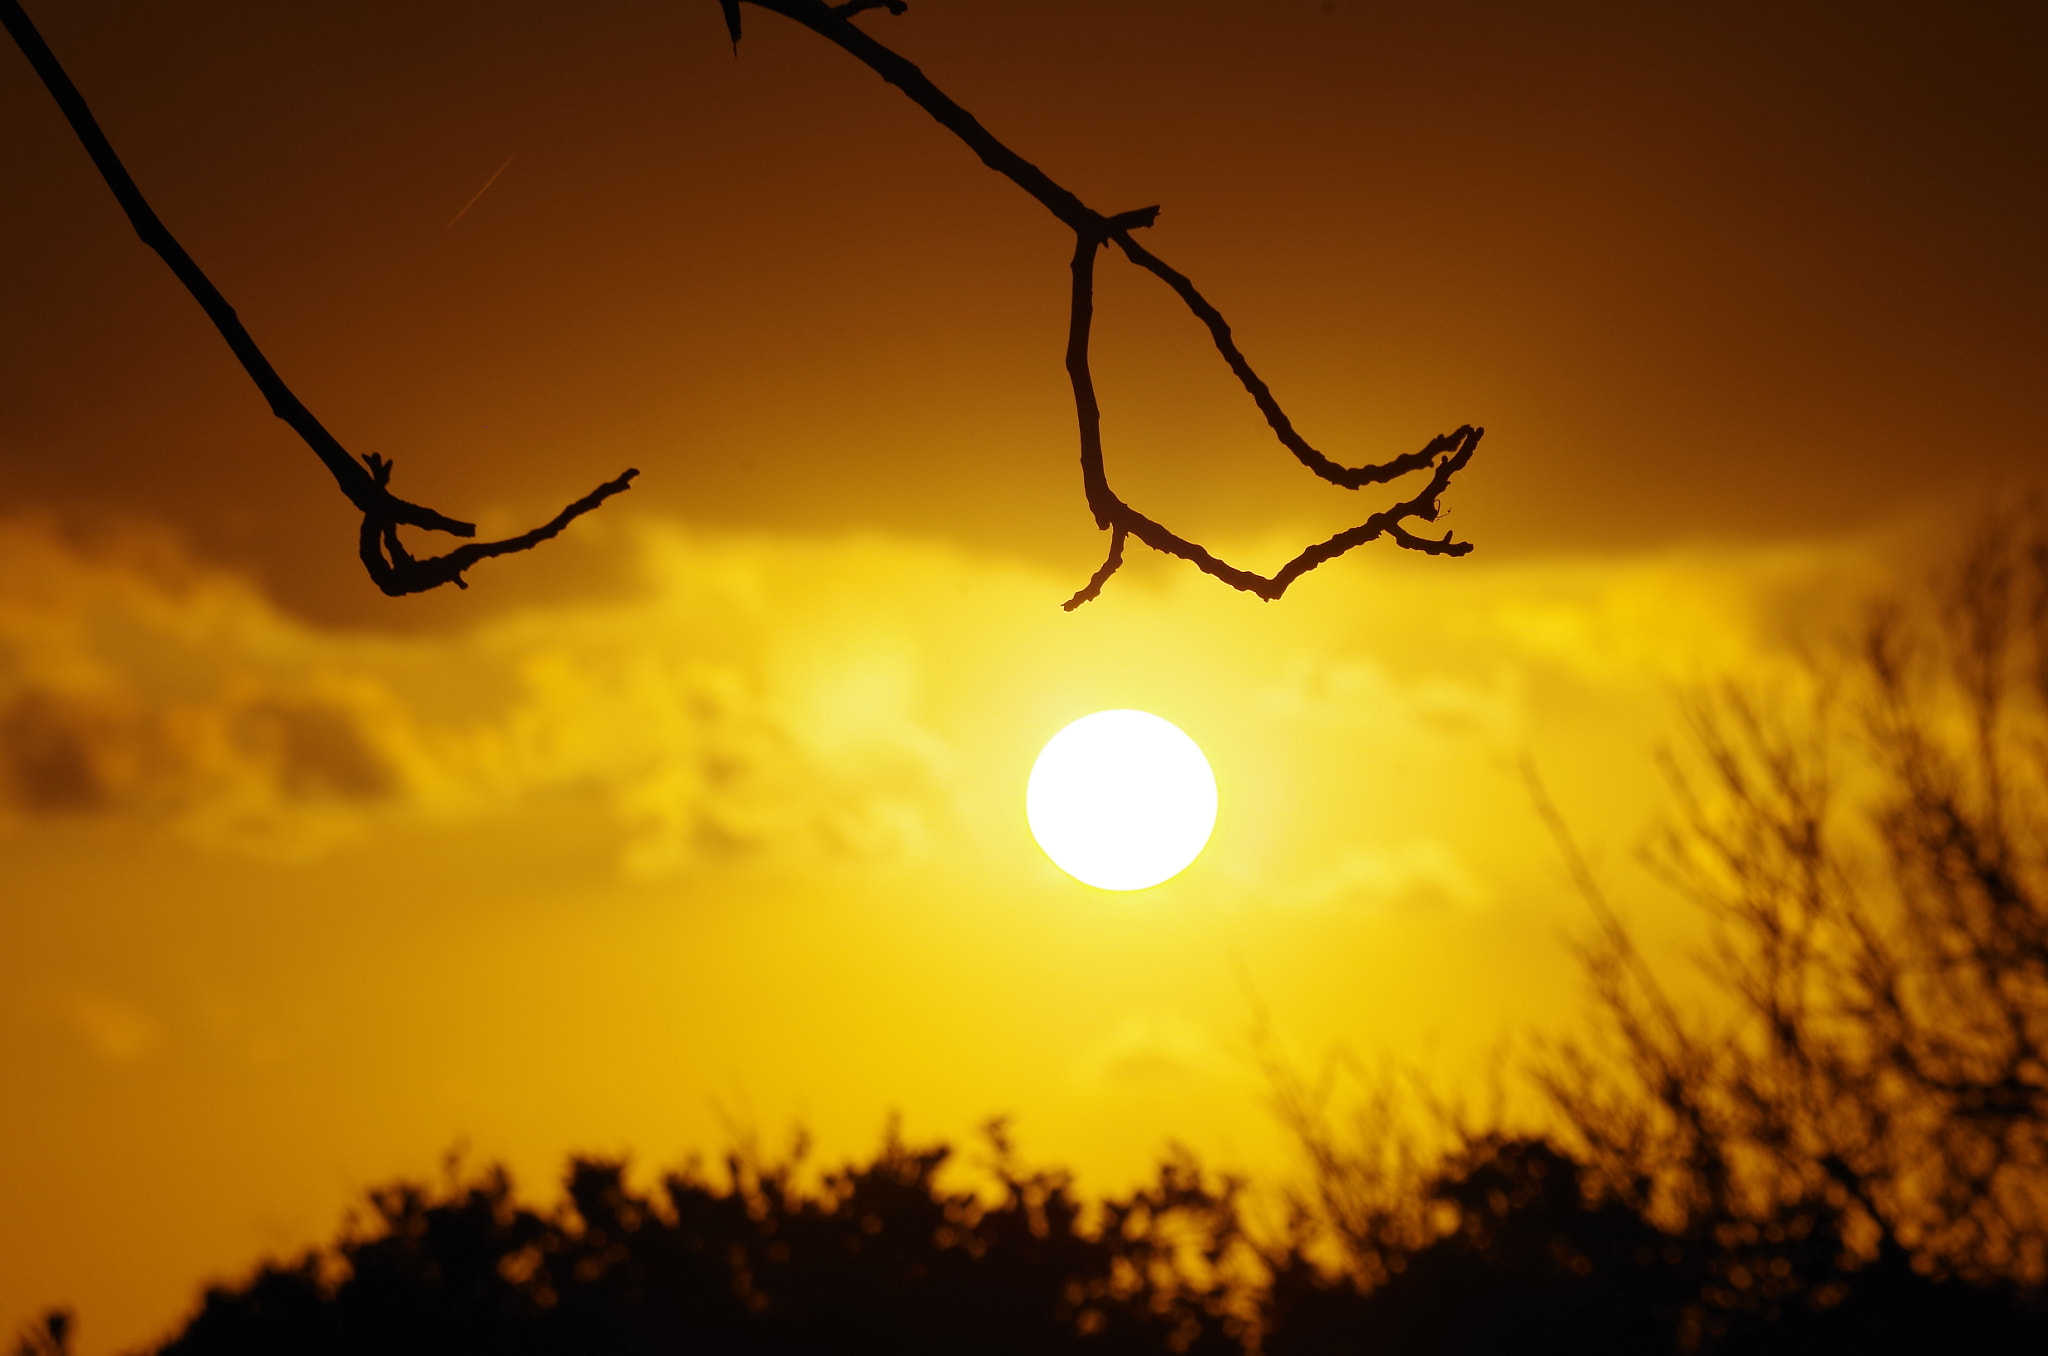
[708, 818]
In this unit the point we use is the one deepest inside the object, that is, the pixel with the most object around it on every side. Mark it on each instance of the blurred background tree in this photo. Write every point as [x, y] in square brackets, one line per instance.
[1850, 1143]
[1874, 866]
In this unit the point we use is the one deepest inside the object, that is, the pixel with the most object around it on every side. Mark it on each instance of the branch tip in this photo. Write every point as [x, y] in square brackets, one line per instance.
[1134, 220]
[853, 7]
[397, 572]
[1093, 588]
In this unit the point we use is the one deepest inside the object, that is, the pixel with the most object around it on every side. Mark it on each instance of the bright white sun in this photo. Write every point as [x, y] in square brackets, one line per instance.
[1121, 800]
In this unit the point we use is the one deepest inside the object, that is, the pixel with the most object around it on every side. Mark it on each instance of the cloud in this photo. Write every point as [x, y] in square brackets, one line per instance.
[135, 686]
[712, 718]
[800, 702]
[87, 753]
[1422, 877]
[1148, 1050]
[1335, 690]
[1676, 614]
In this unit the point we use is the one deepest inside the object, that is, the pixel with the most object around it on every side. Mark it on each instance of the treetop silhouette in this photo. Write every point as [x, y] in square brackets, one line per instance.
[365, 481]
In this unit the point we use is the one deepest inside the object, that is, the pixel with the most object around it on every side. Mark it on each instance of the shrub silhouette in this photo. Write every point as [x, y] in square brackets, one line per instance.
[1534, 1257]
[876, 1257]
[1530, 1256]
[1527, 1262]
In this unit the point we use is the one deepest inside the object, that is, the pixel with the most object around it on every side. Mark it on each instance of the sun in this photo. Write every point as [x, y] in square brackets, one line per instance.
[1121, 800]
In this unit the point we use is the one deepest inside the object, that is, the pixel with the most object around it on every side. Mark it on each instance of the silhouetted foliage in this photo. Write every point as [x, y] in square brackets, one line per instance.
[1532, 1255]
[875, 1257]
[1526, 1254]
[1523, 1261]
[50, 1336]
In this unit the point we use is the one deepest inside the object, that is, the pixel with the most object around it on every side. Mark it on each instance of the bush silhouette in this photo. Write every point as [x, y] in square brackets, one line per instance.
[1535, 1258]
[876, 1257]
[1530, 1257]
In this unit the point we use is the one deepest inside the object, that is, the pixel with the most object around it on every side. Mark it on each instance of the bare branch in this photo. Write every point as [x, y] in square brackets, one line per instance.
[1444, 456]
[1283, 428]
[397, 571]
[853, 7]
[391, 568]
[1101, 576]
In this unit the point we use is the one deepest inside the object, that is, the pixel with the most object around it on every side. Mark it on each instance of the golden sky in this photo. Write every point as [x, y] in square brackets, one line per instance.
[710, 815]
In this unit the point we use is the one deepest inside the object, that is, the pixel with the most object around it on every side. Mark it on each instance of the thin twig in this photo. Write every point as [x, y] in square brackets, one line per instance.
[1101, 576]
[396, 571]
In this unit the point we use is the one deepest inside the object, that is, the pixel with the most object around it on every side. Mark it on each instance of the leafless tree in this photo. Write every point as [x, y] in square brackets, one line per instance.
[1874, 864]
[366, 482]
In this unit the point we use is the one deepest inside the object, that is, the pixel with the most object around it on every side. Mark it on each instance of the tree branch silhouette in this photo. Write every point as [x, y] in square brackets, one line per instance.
[1443, 456]
[366, 483]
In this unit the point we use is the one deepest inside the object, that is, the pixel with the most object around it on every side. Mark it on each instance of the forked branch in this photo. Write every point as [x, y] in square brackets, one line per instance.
[1443, 457]
[366, 483]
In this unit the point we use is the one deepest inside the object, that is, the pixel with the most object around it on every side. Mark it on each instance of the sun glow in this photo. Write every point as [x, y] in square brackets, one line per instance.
[1121, 800]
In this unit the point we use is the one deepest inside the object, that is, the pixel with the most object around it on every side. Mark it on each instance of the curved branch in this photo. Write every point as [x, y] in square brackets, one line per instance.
[365, 488]
[396, 571]
[1444, 456]
[1350, 477]
[1100, 577]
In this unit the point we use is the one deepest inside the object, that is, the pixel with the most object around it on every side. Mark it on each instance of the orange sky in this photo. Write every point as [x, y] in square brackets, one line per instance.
[711, 813]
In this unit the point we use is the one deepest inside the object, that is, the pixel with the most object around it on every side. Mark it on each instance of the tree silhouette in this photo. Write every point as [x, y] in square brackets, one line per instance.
[1533, 1253]
[1850, 1151]
[876, 1257]
[366, 483]
[1528, 1253]
[1875, 869]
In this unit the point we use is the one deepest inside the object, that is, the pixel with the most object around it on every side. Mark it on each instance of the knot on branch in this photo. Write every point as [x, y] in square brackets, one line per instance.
[397, 571]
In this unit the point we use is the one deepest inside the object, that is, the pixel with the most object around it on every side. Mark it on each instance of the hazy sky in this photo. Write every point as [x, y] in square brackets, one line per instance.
[710, 815]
